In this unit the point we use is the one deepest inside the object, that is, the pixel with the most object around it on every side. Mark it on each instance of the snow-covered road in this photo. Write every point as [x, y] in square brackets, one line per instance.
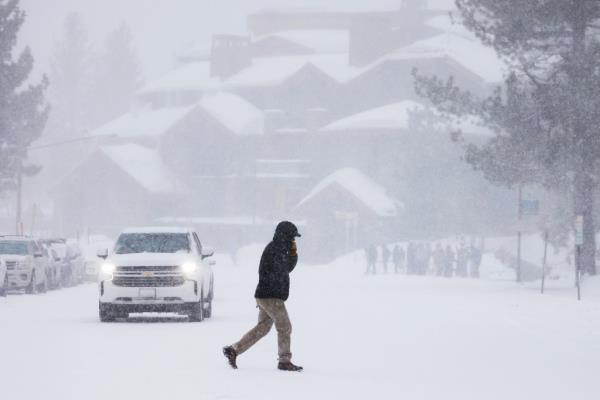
[358, 337]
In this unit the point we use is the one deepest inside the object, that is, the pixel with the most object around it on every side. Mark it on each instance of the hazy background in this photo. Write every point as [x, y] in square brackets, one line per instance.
[164, 26]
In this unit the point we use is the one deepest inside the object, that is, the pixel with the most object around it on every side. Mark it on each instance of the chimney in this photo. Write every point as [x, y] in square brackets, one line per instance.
[229, 55]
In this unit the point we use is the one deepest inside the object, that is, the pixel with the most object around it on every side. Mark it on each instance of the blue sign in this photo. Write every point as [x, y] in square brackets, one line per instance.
[530, 207]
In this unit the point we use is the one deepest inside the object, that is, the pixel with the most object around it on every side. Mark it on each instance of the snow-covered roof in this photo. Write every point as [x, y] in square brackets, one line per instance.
[318, 40]
[145, 166]
[158, 229]
[235, 113]
[468, 52]
[371, 194]
[390, 117]
[269, 71]
[356, 7]
[145, 122]
[190, 76]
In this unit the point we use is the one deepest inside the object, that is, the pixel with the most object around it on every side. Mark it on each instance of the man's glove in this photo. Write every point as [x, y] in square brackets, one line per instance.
[294, 249]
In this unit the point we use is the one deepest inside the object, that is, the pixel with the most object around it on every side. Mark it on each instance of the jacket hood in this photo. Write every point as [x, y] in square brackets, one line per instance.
[286, 231]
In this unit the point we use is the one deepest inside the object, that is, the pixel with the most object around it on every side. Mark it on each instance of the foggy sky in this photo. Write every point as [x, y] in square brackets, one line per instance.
[161, 27]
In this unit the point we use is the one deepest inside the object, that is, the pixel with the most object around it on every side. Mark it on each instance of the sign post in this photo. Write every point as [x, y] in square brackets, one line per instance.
[578, 243]
[544, 260]
[526, 207]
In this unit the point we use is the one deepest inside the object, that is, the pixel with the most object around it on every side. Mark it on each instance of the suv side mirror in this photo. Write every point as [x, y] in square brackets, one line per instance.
[207, 252]
[102, 253]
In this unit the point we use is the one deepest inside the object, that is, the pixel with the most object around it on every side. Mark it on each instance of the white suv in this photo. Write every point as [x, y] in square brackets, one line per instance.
[25, 263]
[156, 270]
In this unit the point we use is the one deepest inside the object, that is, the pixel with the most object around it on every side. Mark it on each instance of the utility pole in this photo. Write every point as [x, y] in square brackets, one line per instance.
[544, 261]
[19, 220]
[519, 215]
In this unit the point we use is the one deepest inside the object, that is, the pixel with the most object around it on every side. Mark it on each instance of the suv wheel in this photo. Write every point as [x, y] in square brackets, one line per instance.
[197, 312]
[106, 313]
[208, 309]
[4, 288]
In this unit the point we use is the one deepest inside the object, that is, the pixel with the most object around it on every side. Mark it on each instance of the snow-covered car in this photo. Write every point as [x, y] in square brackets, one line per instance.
[76, 261]
[53, 268]
[156, 270]
[59, 252]
[25, 263]
[3, 278]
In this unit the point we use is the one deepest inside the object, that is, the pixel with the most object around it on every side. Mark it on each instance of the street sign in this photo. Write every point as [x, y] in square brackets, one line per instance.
[530, 207]
[579, 230]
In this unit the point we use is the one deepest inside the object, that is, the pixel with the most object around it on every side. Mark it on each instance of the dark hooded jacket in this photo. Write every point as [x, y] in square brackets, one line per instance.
[277, 261]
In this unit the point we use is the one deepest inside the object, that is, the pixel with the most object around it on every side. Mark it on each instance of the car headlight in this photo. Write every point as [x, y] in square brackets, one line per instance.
[189, 268]
[108, 268]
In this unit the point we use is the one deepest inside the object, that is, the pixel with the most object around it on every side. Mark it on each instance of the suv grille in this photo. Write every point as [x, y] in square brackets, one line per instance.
[11, 265]
[157, 281]
[142, 268]
[146, 276]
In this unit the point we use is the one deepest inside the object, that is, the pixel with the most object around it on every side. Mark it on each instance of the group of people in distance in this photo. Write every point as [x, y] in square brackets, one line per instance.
[424, 258]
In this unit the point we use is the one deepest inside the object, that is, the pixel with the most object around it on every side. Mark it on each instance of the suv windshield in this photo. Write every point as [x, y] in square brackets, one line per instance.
[130, 243]
[12, 247]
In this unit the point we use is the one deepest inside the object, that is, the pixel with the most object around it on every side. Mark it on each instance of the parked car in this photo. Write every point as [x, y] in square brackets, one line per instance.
[156, 270]
[54, 270]
[59, 251]
[3, 278]
[25, 263]
[76, 261]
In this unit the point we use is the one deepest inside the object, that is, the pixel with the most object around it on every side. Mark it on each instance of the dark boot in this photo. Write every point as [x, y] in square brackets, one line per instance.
[288, 366]
[231, 355]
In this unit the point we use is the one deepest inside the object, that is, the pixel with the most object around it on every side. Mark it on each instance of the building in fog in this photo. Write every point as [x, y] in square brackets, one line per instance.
[275, 123]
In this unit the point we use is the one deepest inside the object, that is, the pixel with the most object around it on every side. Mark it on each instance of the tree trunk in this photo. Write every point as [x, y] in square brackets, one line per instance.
[584, 205]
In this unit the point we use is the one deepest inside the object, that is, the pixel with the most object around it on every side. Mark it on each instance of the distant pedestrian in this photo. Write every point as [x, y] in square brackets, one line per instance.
[439, 259]
[371, 255]
[278, 259]
[385, 257]
[449, 262]
[462, 261]
[398, 258]
[475, 261]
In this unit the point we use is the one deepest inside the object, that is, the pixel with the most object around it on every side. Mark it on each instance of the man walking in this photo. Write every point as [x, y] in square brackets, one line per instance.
[278, 259]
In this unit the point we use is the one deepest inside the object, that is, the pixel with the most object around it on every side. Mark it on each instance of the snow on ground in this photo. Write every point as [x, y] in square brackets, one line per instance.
[377, 337]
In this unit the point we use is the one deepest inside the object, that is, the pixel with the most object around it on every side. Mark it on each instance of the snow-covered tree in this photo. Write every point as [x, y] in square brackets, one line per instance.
[23, 111]
[548, 112]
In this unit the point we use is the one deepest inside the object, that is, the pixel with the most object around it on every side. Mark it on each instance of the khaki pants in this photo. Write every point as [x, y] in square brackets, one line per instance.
[271, 311]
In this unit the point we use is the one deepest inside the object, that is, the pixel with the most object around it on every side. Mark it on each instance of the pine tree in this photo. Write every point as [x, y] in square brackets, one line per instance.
[23, 111]
[548, 112]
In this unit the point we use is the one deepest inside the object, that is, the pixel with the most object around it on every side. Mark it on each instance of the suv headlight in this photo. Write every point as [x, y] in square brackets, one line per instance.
[189, 268]
[108, 268]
